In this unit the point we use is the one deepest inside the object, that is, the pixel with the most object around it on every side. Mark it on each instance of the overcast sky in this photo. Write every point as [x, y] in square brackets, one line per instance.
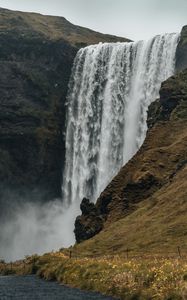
[136, 19]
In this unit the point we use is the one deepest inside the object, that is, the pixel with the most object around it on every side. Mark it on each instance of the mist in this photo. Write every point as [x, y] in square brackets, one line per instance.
[37, 228]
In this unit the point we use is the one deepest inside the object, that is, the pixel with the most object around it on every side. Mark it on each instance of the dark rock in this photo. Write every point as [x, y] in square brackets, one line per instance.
[181, 53]
[145, 185]
[89, 223]
[36, 57]
[33, 86]
[173, 91]
[87, 207]
[103, 205]
[154, 113]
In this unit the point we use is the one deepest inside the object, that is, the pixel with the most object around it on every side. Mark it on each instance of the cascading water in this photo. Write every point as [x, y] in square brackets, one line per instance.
[110, 90]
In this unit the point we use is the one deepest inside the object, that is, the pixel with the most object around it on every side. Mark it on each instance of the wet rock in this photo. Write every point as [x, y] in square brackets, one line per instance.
[181, 54]
[89, 223]
[87, 207]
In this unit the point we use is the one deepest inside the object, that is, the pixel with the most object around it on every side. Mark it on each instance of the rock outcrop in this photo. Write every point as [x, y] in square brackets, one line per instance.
[90, 223]
[153, 171]
[36, 56]
[181, 54]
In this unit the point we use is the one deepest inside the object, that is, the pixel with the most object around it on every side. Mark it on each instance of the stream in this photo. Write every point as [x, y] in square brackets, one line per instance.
[33, 288]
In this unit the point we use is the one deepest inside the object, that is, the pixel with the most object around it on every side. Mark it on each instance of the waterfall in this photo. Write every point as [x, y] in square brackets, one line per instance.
[111, 87]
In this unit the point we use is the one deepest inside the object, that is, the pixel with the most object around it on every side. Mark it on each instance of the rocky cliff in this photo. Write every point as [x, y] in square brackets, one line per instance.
[145, 204]
[36, 56]
[181, 55]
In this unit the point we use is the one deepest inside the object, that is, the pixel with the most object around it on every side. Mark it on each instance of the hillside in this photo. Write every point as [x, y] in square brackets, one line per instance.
[144, 208]
[36, 57]
[50, 27]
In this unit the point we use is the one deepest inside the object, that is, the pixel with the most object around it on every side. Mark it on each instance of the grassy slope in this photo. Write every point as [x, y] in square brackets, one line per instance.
[142, 279]
[158, 225]
[155, 184]
[54, 28]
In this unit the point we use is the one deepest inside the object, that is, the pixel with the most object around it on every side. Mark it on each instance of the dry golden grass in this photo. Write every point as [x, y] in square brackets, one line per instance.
[134, 278]
[158, 225]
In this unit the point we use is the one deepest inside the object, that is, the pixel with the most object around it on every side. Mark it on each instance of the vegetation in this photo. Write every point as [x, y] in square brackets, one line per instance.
[152, 227]
[52, 27]
[127, 278]
[144, 207]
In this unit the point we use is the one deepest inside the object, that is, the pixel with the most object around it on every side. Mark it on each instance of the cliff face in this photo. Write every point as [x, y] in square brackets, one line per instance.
[181, 55]
[36, 56]
[147, 198]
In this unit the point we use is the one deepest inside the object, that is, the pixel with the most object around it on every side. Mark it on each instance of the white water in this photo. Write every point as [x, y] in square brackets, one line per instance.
[110, 90]
[111, 87]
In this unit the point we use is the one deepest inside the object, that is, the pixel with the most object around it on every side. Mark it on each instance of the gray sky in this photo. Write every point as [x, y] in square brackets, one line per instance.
[136, 19]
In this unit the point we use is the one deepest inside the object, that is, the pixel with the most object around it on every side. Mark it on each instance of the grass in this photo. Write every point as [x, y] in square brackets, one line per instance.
[125, 278]
[54, 28]
[158, 225]
[153, 268]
